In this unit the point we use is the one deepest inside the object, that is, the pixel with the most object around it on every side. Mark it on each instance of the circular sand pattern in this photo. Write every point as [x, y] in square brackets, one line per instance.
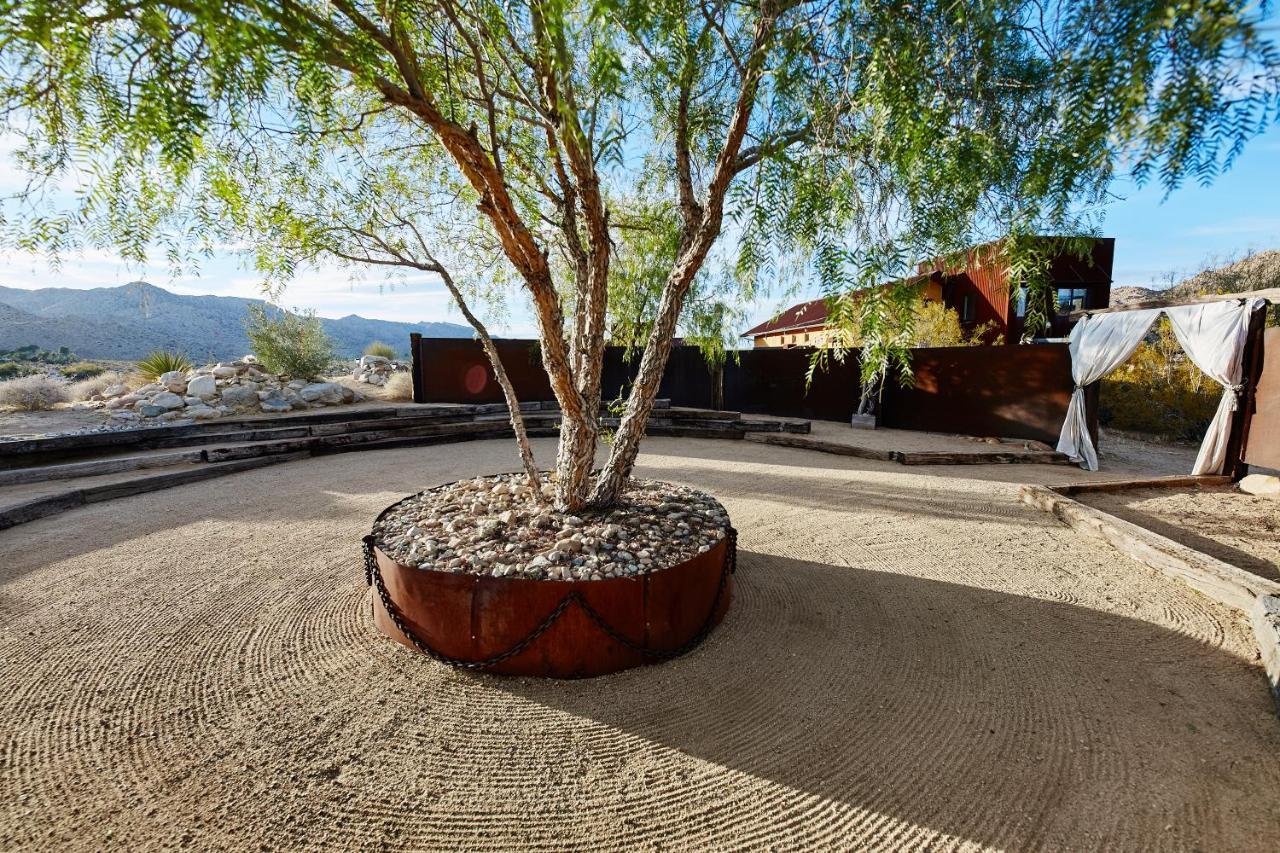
[912, 660]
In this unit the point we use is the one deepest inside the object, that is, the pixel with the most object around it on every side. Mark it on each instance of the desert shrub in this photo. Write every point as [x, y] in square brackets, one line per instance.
[12, 370]
[399, 386]
[1159, 391]
[936, 325]
[291, 344]
[933, 324]
[86, 388]
[162, 361]
[379, 348]
[82, 370]
[31, 352]
[32, 393]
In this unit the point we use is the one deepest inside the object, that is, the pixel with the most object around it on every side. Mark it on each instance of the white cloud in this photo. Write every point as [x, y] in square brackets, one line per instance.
[1243, 226]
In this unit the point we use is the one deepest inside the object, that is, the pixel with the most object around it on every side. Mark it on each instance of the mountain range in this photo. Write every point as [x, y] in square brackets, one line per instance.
[131, 320]
[1256, 271]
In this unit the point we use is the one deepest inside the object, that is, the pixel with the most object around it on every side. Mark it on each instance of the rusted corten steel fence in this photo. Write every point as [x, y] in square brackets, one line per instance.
[1260, 434]
[1014, 392]
[1007, 391]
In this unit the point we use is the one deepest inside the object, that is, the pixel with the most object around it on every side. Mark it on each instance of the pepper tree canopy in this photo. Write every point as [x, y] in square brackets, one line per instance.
[594, 151]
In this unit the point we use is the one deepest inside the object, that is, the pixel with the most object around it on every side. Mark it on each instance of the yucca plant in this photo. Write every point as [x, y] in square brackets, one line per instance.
[162, 361]
[379, 348]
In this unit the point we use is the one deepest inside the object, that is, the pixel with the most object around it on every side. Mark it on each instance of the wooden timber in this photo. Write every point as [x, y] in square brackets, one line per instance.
[1221, 581]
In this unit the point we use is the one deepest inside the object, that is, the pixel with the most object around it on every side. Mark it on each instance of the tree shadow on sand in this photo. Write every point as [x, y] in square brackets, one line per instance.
[1000, 719]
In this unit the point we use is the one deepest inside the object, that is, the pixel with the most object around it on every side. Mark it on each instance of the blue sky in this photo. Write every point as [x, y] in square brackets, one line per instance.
[1154, 237]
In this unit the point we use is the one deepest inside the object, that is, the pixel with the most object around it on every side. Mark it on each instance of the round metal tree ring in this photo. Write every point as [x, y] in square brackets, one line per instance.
[552, 628]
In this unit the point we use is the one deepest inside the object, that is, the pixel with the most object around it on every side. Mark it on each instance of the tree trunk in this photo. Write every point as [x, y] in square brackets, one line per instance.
[626, 443]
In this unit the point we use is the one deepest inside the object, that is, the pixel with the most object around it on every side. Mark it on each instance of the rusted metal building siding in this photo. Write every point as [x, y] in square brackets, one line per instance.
[978, 289]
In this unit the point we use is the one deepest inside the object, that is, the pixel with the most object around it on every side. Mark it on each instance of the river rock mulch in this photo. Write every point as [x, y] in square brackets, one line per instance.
[493, 526]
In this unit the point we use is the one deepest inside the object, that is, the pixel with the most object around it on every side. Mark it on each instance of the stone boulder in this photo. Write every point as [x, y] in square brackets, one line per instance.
[175, 381]
[239, 396]
[375, 369]
[325, 393]
[167, 400]
[202, 386]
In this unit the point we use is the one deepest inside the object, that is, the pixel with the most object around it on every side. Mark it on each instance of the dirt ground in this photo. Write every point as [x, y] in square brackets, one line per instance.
[913, 659]
[1235, 527]
[64, 418]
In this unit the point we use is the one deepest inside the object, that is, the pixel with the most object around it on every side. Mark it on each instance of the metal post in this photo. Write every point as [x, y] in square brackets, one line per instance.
[415, 356]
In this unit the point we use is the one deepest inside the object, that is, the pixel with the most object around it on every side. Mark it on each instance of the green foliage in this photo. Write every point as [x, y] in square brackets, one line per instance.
[288, 343]
[81, 370]
[33, 353]
[936, 325]
[882, 136]
[380, 349]
[1159, 391]
[12, 370]
[161, 361]
[32, 393]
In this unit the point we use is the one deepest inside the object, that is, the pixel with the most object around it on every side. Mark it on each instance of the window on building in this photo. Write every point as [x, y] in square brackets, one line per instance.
[1020, 305]
[1072, 299]
[968, 308]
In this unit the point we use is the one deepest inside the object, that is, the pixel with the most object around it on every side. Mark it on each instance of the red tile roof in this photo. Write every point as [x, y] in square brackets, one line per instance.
[802, 316]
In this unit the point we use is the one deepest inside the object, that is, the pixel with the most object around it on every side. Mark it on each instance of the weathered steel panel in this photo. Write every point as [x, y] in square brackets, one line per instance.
[455, 370]
[1004, 391]
[1263, 447]
[1016, 392]
[773, 382]
[475, 618]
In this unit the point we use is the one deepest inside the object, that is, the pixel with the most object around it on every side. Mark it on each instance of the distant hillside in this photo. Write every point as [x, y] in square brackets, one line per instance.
[129, 321]
[1255, 272]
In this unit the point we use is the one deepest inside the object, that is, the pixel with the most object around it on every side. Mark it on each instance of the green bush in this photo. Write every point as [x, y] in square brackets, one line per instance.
[12, 370]
[1159, 392]
[32, 393]
[381, 349]
[294, 345]
[160, 362]
[82, 370]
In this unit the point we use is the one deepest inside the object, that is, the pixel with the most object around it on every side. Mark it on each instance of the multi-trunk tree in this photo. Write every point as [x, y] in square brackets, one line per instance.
[593, 153]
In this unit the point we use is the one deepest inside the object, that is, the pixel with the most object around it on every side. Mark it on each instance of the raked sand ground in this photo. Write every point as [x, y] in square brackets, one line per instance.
[913, 659]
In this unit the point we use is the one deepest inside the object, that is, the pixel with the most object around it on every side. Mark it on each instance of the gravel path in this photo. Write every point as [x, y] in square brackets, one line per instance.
[912, 660]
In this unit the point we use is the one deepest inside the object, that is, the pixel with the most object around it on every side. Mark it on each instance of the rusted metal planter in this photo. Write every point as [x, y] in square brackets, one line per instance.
[555, 629]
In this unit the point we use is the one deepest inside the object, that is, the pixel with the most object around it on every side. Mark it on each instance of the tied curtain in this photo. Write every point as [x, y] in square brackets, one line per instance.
[1212, 334]
[1098, 346]
[1213, 337]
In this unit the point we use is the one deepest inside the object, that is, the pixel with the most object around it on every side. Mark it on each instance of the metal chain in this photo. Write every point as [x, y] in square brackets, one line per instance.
[373, 577]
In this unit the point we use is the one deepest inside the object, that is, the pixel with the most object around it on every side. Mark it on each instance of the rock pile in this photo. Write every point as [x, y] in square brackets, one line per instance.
[493, 526]
[376, 370]
[217, 390]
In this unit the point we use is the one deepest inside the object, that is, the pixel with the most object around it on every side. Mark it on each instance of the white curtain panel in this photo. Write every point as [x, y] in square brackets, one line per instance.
[1213, 336]
[1099, 345]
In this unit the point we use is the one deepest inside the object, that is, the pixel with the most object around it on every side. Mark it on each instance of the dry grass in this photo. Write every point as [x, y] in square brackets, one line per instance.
[399, 387]
[86, 388]
[33, 393]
